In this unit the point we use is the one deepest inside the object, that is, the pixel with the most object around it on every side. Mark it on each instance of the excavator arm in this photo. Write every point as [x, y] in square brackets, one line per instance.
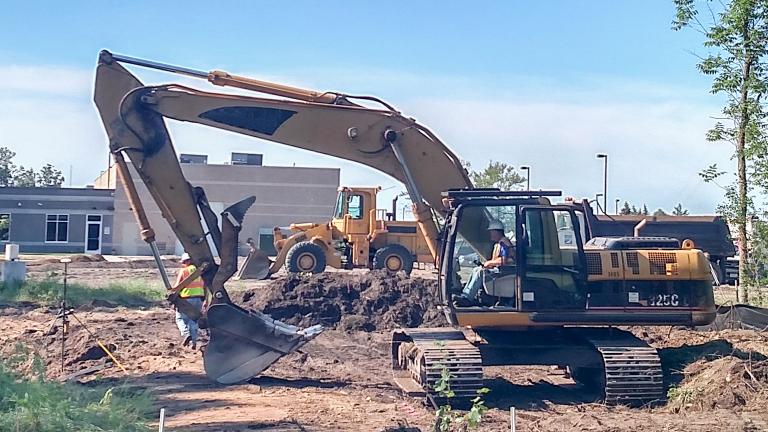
[328, 123]
[244, 342]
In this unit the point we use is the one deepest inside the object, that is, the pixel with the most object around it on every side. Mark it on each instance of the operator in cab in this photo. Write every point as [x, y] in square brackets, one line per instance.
[194, 293]
[503, 254]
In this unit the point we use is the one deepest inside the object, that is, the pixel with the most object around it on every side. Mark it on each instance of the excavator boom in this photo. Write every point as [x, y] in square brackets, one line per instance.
[243, 343]
[327, 123]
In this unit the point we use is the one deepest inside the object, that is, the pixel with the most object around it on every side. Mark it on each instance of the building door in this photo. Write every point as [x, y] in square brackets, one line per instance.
[93, 234]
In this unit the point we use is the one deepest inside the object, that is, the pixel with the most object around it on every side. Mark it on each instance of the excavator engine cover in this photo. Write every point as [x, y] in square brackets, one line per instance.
[244, 343]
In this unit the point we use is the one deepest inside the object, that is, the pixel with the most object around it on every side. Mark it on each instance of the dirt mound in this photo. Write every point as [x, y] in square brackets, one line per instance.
[369, 301]
[727, 382]
[77, 258]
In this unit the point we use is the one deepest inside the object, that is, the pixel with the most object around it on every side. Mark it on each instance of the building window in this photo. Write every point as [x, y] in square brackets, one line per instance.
[56, 228]
[5, 226]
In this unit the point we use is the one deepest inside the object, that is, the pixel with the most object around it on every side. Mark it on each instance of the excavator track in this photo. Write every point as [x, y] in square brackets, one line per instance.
[632, 373]
[419, 357]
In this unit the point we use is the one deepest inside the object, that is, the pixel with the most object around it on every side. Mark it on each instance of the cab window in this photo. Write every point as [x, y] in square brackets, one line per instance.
[355, 206]
[338, 212]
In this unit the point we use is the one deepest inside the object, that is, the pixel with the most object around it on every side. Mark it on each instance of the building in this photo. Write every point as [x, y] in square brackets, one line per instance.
[57, 220]
[284, 195]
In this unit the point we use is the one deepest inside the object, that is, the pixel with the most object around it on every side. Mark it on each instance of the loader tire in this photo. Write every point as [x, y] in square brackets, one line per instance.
[306, 257]
[393, 258]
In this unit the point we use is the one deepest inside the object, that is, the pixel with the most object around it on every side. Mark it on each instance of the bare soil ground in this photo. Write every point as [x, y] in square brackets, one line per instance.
[341, 381]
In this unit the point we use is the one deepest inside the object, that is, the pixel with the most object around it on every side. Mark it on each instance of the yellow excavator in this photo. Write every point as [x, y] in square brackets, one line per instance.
[359, 235]
[557, 301]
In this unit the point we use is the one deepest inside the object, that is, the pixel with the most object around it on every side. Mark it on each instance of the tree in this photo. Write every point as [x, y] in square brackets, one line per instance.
[496, 174]
[645, 210]
[49, 176]
[23, 177]
[626, 210]
[737, 36]
[659, 212]
[6, 167]
[679, 210]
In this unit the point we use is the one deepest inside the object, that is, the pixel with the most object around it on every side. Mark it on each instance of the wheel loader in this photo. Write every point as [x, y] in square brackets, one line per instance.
[358, 235]
[558, 301]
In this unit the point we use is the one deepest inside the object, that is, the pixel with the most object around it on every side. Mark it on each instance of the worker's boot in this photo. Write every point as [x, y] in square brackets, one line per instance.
[461, 301]
[187, 340]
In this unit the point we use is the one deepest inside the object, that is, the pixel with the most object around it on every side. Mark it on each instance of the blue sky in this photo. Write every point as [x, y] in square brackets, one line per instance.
[546, 84]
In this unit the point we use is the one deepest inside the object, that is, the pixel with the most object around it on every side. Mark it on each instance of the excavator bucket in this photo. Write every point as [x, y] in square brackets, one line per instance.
[244, 343]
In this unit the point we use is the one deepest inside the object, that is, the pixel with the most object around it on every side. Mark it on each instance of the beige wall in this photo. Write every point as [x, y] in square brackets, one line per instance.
[283, 195]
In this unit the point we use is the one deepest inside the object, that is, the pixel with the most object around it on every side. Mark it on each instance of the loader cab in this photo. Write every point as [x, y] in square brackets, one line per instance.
[548, 271]
[355, 207]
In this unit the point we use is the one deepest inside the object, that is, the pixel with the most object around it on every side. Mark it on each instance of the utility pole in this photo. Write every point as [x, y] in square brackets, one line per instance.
[604, 157]
[527, 170]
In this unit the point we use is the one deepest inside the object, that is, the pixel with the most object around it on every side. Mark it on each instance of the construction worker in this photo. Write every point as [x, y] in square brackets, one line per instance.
[503, 254]
[194, 293]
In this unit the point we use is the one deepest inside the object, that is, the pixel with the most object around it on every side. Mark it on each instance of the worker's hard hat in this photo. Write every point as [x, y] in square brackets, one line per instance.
[495, 224]
[185, 257]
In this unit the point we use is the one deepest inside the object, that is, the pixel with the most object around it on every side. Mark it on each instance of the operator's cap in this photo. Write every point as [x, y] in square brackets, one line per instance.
[185, 257]
[495, 224]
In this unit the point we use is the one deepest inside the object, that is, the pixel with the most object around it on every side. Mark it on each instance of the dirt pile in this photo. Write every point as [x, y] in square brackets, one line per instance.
[369, 301]
[77, 258]
[87, 261]
[727, 382]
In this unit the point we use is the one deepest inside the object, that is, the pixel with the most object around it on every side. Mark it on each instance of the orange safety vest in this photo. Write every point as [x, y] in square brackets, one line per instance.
[195, 288]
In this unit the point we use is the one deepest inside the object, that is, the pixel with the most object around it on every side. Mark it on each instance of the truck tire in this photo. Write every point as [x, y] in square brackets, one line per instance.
[393, 258]
[306, 257]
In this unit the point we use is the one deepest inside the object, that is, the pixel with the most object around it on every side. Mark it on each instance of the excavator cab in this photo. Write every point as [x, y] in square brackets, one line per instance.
[547, 270]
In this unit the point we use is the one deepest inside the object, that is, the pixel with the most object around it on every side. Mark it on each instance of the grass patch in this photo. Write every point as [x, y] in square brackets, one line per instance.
[49, 291]
[34, 404]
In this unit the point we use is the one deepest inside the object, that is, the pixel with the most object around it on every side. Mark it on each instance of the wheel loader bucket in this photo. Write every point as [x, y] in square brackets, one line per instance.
[244, 343]
[256, 266]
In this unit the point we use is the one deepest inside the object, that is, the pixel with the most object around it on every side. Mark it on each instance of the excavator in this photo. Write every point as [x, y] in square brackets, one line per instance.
[559, 300]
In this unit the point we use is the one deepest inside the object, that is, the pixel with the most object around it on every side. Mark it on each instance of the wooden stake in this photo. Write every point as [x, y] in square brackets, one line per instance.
[161, 426]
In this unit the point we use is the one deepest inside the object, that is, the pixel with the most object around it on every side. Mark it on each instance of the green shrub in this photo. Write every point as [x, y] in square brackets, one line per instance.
[49, 291]
[34, 404]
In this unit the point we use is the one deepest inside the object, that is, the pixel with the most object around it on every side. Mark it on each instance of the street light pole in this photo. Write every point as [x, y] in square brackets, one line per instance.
[617, 205]
[604, 157]
[527, 170]
[597, 203]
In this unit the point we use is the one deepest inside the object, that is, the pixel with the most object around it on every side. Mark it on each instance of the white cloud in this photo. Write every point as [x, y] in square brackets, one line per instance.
[653, 133]
[44, 80]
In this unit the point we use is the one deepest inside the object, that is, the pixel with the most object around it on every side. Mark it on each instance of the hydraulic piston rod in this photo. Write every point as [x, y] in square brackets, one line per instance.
[224, 79]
